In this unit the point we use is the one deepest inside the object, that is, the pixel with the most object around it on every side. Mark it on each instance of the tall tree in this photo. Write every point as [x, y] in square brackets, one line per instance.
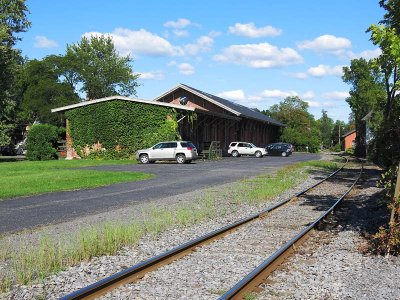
[12, 21]
[300, 129]
[42, 90]
[339, 128]
[95, 65]
[325, 124]
[367, 90]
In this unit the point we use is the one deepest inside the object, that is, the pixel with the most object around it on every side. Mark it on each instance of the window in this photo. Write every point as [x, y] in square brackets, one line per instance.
[241, 145]
[170, 145]
[158, 146]
[187, 144]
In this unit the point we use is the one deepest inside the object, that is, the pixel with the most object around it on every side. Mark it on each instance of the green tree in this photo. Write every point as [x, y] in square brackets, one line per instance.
[366, 92]
[339, 128]
[301, 129]
[387, 141]
[95, 65]
[12, 21]
[325, 124]
[42, 90]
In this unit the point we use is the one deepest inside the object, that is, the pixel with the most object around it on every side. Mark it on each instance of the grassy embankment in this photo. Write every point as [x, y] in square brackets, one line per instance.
[25, 178]
[37, 262]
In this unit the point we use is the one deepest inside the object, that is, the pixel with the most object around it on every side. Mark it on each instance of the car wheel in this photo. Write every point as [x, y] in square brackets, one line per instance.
[144, 158]
[180, 159]
[235, 154]
[284, 154]
[258, 154]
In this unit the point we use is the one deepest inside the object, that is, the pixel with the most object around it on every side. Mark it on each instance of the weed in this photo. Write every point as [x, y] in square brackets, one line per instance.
[249, 296]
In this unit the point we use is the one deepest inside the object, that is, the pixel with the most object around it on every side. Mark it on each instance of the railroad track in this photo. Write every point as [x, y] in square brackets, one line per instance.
[255, 277]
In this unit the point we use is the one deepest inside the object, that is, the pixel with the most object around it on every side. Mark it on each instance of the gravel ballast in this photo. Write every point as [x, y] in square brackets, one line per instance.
[214, 268]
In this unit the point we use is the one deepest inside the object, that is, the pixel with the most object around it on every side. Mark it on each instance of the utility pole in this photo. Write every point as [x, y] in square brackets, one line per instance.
[339, 134]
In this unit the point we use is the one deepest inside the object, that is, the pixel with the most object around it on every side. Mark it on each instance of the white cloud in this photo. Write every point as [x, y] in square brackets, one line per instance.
[300, 75]
[308, 95]
[202, 44]
[316, 104]
[237, 95]
[327, 44]
[277, 94]
[336, 95]
[321, 71]
[140, 42]
[180, 23]
[262, 55]
[180, 33]
[155, 75]
[186, 69]
[368, 54]
[250, 30]
[44, 42]
[324, 70]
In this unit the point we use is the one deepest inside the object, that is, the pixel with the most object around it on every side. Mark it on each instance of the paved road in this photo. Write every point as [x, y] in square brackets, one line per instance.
[171, 179]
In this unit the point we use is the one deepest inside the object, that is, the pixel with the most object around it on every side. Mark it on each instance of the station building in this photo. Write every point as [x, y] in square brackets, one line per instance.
[203, 118]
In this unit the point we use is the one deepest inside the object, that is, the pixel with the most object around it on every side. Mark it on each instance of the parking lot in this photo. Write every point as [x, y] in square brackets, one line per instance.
[170, 179]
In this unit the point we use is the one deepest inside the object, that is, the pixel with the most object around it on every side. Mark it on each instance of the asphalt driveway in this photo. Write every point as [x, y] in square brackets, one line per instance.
[170, 179]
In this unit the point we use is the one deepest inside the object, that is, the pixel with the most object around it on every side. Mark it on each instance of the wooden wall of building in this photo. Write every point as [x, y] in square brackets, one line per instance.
[207, 128]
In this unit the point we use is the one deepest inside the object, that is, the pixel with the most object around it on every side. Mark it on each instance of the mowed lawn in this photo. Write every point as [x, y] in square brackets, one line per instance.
[35, 177]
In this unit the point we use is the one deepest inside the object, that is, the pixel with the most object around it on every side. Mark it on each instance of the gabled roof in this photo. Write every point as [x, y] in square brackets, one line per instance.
[237, 109]
[348, 133]
[89, 102]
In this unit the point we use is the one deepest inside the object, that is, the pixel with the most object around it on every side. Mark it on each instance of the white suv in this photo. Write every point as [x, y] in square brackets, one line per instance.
[242, 148]
[181, 151]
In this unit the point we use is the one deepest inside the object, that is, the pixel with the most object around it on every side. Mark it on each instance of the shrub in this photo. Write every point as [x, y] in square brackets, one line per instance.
[41, 142]
[336, 148]
[349, 151]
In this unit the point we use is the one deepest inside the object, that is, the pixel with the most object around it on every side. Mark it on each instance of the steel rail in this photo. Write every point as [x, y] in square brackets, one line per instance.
[137, 271]
[259, 274]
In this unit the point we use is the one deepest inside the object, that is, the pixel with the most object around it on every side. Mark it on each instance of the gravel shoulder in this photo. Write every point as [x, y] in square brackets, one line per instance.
[334, 263]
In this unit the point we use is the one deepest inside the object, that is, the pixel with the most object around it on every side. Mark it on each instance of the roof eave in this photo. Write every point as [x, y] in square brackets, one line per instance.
[197, 94]
[95, 101]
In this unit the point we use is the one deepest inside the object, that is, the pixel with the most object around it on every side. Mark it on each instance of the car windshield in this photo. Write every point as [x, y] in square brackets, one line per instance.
[252, 145]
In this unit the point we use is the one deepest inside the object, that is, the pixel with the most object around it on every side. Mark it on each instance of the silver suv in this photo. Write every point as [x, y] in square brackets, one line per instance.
[242, 148]
[181, 151]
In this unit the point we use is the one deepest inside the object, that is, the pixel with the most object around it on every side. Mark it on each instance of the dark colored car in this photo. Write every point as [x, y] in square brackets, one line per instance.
[281, 149]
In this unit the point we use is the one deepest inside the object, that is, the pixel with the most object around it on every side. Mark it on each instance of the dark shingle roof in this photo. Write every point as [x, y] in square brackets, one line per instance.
[242, 110]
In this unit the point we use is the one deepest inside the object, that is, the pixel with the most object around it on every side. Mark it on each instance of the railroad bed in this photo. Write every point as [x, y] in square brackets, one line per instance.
[211, 269]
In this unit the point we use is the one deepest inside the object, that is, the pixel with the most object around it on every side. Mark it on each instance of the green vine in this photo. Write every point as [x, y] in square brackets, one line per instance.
[120, 127]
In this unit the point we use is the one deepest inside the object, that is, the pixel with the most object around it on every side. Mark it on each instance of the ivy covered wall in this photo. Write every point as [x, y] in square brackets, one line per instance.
[120, 126]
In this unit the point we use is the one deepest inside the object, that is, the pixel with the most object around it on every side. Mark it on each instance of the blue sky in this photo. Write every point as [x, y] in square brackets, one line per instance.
[255, 53]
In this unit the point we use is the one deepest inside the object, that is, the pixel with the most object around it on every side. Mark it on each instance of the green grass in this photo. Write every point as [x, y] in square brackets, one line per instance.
[255, 191]
[35, 177]
[29, 263]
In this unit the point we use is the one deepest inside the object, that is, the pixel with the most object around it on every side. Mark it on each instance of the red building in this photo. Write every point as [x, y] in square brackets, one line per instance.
[349, 140]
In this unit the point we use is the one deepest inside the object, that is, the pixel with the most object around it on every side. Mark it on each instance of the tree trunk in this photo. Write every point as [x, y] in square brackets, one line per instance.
[394, 213]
